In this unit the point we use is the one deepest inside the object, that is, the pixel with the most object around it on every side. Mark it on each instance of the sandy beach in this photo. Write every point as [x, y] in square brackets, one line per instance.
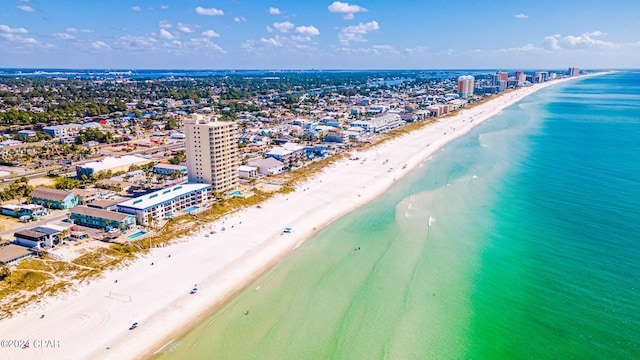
[94, 321]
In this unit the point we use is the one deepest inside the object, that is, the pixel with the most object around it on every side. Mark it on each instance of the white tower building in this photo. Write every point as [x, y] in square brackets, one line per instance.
[212, 152]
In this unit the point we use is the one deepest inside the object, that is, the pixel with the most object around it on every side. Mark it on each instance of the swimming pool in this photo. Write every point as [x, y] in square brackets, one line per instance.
[235, 193]
[191, 208]
[136, 234]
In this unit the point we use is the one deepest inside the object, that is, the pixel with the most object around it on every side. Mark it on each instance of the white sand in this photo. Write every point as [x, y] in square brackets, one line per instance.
[157, 296]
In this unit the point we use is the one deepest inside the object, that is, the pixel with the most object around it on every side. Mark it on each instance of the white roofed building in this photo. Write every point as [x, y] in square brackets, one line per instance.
[379, 124]
[110, 163]
[163, 204]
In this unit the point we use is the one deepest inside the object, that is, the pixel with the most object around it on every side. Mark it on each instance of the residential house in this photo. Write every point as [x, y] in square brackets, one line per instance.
[54, 198]
[269, 166]
[86, 196]
[247, 172]
[168, 169]
[12, 254]
[32, 211]
[32, 239]
[289, 154]
[104, 205]
[54, 234]
[101, 219]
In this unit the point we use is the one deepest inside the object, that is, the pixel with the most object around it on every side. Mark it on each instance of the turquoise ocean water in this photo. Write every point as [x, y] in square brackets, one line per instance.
[520, 240]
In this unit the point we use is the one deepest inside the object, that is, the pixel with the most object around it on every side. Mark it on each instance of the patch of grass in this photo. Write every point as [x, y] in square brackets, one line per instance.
[27, 279]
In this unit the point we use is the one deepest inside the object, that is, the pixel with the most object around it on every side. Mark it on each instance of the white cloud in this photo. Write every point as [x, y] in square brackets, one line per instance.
[10, 30]
[528, 48]
[204, 43]
[584, 41]
[164, 7]
[384, 49]
[446, 52]
[295, 45]
[239, 19]
[164, 24]
[299, 38]
[166, 35]
[63, 36]
[357, 32]
[210, 33]
[209, 12]
[184, 28]
[522, 16]
[274, 11]
[136, 8]
[283, 26]
[26, 8]
[76, 30]
[18, 39]
[308, 30]
[100, 45]
[131, 42]
[374, 50]
[416, 50]
[271, 41]
[345, 8]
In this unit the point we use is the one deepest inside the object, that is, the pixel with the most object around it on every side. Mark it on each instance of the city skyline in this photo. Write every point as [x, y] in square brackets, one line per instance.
[171, 34]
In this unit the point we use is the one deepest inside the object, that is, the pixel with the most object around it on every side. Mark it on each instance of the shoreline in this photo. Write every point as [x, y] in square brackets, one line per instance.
[97, 316]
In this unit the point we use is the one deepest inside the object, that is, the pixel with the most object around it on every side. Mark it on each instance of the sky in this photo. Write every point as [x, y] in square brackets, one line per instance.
[313, 34]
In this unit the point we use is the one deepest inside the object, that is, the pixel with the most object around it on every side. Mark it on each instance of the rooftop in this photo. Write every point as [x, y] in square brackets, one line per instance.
[99, 213]
[111, 162]
[50, 194]
[161, 196]
[11, 252]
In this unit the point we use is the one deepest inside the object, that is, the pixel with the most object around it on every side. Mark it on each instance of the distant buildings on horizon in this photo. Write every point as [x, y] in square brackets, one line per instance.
[500, 81]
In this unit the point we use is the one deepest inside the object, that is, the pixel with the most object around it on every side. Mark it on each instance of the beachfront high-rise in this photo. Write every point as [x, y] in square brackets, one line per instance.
[500, 79]
[212, 152]
[465, 86]
[520, 78]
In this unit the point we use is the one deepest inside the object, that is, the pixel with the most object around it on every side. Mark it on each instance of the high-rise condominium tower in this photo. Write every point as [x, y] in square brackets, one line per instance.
[212, 152]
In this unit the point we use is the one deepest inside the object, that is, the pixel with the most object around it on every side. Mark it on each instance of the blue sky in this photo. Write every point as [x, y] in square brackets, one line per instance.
[281, 34]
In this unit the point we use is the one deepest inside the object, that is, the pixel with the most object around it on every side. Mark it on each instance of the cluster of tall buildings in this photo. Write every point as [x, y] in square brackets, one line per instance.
[501, 80]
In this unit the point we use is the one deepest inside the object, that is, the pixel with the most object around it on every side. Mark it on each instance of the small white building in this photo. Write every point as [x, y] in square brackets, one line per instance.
[268, 166]
[247, 172]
